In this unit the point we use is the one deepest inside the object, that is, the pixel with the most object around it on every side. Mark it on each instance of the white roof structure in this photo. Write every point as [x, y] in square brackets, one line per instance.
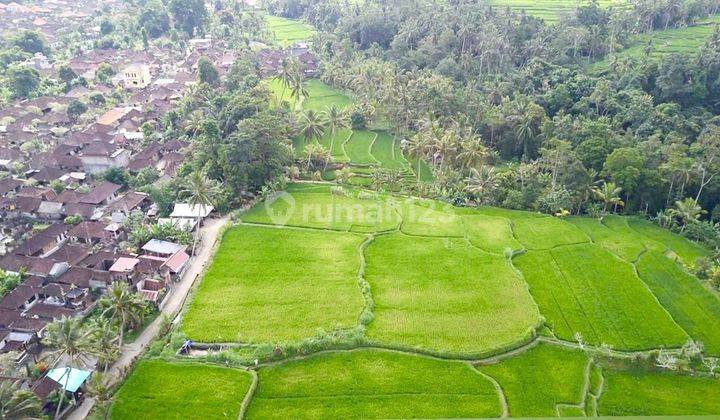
[50, 207]
[183, 223]
[162, 247]
[191, 211]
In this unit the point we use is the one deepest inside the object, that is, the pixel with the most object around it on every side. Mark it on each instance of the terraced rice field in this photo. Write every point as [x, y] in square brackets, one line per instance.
[547, 233]
[446, 296]
[288, 31]
[686, 251]
[272, 285]
[489, 233]
[614, 234]
[161, 390]
[386, 150]
[636, 392]
[585, 289]
[364, 150]
[695, 309]
[551, 10]
[372, 384]
[674, 40]
[320, 95]
[541, 381]
[423, 278]
[357, 147]
[315, 207]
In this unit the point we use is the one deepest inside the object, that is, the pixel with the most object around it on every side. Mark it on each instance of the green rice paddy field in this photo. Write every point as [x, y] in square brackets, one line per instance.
[672, 40]
[363, 150]
[288, 31]
[551, 10]
[460, 312]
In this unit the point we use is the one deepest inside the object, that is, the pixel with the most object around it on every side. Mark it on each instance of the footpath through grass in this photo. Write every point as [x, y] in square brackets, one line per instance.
[160, 390]
[372, 384]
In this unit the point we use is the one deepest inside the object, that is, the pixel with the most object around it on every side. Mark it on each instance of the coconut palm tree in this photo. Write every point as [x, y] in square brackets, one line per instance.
[286, 73]
[473, 152]
[417, 148]
[298, 91]
[446, 147]
[68, 340]
[525, 133]
[609, 194]
[312, 125]
[98, 388]
[105, 340]
[200, 192]
[123, 306]
[194, 123]
[336, 119]
[687, 210]
[16, 403]
[316, 155]
[480, 182]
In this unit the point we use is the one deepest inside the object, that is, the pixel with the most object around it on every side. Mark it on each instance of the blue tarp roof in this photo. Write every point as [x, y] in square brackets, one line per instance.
[69, 378]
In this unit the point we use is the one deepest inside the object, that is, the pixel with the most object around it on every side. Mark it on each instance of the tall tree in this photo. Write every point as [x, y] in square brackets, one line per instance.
[30, 41]
[207, 73]
[687, 210]
[16, 403]
[22, 81]
[123, 306]
[200, 192]
[707, 157]
[105, 340]
[609, 194]
[472, 152]
[298, 91]
[336, 119]
[312, 125]
[189, 15]
[69, 341]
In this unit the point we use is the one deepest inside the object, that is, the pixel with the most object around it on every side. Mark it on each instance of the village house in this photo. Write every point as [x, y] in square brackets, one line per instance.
[93, 233]
[45, 242]
[102, 194]
[100, 156]
[191, 211]
[136, 76]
